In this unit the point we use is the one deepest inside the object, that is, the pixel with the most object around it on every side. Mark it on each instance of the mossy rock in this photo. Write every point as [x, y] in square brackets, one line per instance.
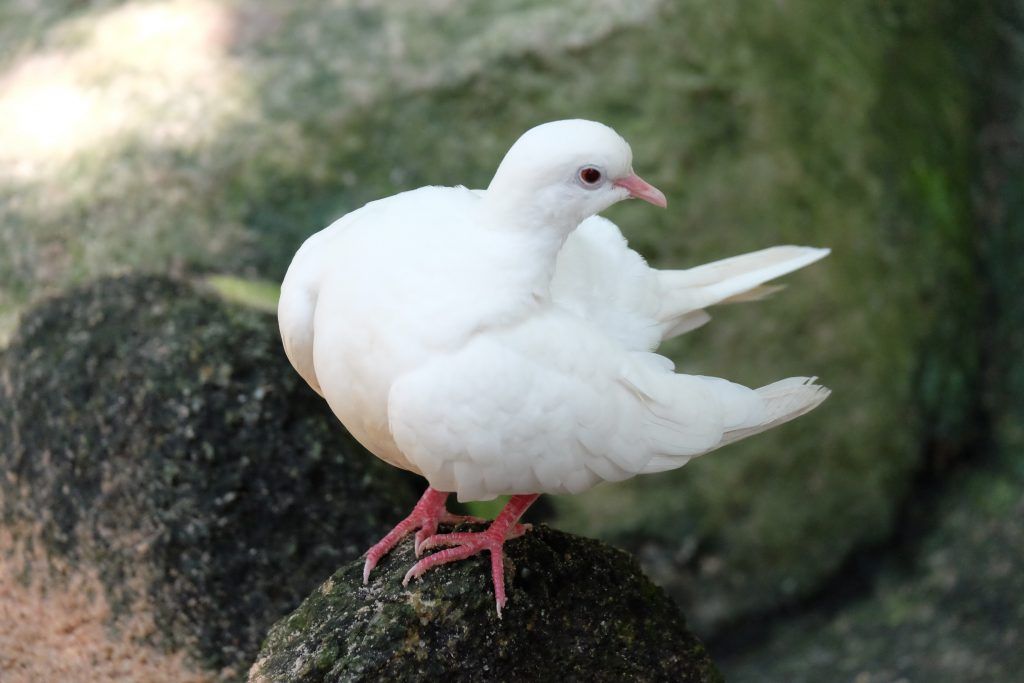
[154, 432]
[943, 603]
[578, 610]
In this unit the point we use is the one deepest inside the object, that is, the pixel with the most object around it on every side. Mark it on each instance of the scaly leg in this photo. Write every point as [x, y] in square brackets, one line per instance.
[467, 544]
[424, 518]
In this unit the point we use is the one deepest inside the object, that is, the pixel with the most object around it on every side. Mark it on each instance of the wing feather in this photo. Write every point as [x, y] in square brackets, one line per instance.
[562, 408]
[598, 277]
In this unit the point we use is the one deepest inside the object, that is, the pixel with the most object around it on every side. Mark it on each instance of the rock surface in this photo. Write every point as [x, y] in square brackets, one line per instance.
[954, 615]
[578, 610]
[158, 435]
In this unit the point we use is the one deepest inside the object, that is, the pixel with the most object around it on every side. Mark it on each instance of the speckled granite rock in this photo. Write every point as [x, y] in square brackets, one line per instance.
[158, 434]
[578, 610]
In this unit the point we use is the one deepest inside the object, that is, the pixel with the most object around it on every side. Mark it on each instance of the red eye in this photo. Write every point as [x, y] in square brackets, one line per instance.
[590, 175]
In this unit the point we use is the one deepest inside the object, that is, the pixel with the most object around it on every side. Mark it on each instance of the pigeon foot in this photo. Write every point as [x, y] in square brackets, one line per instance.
[424, 518]
[466, 544]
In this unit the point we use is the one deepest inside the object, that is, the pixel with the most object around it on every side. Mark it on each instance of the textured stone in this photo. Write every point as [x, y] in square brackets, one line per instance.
[159, 435]
[954, 614]
[578, 610]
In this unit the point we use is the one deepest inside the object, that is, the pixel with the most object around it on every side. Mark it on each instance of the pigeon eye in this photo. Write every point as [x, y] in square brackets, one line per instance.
[590, 176]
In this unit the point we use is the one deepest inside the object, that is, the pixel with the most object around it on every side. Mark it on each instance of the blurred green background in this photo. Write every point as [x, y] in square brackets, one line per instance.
[878, 537]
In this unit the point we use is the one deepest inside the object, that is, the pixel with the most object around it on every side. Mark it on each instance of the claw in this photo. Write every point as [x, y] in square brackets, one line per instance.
[422, 535]
[424, 517]
[468, 543]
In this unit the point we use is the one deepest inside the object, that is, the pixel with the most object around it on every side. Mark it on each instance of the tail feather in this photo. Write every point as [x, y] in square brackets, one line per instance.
[784, 400]
[745, 412]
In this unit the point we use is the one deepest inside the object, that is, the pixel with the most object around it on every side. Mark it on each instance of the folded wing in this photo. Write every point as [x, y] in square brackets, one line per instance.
[600, 278]
[548, 406]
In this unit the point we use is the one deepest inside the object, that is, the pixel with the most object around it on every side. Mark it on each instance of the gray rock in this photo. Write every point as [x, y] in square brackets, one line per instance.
[158, 434]
[578, 609]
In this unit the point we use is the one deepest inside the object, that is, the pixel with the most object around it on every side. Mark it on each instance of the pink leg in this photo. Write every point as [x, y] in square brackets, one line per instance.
[428, 513]
[467, 544]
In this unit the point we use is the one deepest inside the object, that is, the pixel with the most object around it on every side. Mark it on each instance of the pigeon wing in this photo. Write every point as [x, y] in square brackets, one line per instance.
[552, 406]
[300, 292]
[598, 277]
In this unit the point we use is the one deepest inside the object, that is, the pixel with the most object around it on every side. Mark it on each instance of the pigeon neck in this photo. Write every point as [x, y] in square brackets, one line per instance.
[545, 213]
[540, 227]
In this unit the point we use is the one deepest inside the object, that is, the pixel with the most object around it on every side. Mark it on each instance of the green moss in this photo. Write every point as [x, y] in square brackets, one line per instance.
[258, 294]
[577, 609]
[486, 509]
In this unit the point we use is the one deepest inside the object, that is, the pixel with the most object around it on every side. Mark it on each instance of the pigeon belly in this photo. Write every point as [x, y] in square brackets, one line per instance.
[399, 294]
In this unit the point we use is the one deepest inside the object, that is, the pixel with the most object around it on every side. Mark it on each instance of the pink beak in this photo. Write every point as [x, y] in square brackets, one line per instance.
[641, 189]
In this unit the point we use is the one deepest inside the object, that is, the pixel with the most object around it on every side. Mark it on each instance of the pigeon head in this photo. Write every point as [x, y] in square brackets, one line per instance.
[560, 173]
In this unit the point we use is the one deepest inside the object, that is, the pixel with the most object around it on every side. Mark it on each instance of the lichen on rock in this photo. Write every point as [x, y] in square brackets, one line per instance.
[157, 434]
[578, 610]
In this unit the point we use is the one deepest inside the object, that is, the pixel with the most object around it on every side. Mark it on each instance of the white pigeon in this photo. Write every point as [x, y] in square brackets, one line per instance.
[501, 342]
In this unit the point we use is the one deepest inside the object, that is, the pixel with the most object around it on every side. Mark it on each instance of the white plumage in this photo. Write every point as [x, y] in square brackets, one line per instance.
[480, 339]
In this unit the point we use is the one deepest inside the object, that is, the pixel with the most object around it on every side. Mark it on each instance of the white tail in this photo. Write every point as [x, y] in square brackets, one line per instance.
[784, 400]
[679, 425]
